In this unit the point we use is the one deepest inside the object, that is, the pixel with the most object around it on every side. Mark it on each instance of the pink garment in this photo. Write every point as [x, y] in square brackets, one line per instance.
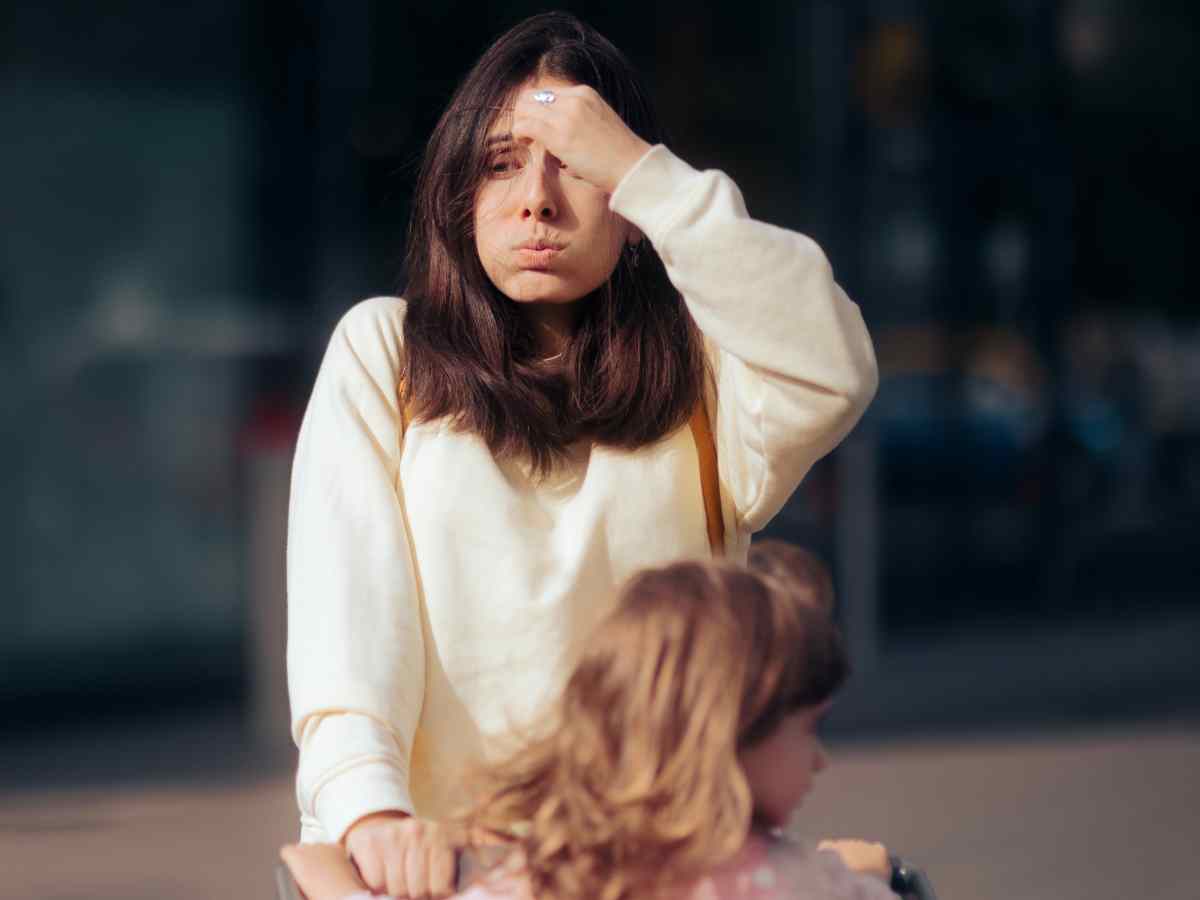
[762, 870]
[781, 870]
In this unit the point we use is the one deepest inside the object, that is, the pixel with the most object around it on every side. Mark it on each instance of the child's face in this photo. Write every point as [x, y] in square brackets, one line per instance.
[782, 766]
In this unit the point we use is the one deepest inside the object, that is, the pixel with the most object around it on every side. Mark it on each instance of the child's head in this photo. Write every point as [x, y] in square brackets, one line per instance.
[782, 753]
[689, 711]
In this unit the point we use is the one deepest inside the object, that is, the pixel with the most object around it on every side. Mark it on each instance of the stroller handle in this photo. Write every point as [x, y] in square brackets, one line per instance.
[909, 881]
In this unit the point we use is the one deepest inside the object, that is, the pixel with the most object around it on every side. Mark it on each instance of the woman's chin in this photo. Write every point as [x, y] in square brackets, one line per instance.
[541, 287]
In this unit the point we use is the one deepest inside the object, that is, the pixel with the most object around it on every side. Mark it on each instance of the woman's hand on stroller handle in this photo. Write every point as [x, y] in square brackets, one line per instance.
[404, 856]
[866, 857]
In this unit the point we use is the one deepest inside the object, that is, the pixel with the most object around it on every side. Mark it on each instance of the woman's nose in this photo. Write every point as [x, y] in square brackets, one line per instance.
[539, 202]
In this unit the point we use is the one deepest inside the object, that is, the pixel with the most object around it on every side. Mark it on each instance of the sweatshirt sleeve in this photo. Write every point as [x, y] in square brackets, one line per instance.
[793, 363]
[356, 656]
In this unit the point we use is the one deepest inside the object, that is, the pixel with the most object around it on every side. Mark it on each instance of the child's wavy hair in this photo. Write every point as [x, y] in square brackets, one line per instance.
[637, 784]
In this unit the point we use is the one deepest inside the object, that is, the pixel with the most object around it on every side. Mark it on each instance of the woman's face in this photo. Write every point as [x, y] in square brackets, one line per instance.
[543, 234]
[782, 766]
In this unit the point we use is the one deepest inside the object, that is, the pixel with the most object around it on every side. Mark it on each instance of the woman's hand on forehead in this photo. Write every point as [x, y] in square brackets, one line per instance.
[581, 130]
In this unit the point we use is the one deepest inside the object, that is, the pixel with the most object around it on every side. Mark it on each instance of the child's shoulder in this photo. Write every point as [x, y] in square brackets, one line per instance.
[766, 869]
[747, 875]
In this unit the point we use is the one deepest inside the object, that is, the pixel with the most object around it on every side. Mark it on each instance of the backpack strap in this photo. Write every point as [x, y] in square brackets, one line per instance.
[405, 412]
[710, 486]
[706, 452]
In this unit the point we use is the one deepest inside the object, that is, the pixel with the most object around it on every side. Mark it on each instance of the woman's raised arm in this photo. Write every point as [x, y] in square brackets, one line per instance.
[794, 363]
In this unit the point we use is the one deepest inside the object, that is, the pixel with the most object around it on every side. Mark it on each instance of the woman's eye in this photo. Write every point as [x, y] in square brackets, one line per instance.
[504, 165]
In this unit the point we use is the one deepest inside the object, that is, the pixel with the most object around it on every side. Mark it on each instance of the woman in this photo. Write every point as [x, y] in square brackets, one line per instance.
[482, 462]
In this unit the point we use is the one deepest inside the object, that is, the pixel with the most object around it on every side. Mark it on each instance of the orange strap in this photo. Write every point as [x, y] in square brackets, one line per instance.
[706, 451]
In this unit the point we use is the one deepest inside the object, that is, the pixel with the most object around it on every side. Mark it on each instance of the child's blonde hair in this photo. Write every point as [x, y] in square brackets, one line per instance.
[638, 782]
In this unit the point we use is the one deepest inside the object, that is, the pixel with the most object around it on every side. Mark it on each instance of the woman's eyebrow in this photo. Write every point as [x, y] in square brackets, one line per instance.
[505, 138]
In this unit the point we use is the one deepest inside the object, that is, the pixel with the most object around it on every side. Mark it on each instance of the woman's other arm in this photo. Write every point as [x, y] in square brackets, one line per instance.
[356, 669]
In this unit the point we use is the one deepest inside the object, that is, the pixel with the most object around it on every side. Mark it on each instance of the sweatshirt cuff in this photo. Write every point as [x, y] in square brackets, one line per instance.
[368, 788]
[649, 191]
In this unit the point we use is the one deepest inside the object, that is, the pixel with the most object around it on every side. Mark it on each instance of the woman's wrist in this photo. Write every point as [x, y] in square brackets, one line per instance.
[628, 160]
[372, 818]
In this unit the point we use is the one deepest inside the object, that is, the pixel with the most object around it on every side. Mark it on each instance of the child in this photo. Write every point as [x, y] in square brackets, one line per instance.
[683, 742]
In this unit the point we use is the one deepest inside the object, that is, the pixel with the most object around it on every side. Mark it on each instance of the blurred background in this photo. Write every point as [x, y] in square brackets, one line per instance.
[192, 194]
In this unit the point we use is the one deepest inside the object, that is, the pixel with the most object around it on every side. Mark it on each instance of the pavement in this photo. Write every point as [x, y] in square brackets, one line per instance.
[1088, 812]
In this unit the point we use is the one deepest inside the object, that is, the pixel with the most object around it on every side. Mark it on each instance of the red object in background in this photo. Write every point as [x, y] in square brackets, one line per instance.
[273, 425]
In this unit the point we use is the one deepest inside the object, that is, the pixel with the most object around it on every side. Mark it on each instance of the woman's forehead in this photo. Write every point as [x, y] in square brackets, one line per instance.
[502, 122]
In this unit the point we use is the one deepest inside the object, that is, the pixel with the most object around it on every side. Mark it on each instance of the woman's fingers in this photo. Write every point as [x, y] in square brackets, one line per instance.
[396, 883]
[416, 871]
[372, 867]
[371, 841]
[441, 861]
[430, 861]
[867, 857]
[405, 857]
[582, 130]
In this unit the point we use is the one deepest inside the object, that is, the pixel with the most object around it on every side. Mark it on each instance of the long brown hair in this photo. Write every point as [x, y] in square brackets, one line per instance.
[634, 369]
[637, 783]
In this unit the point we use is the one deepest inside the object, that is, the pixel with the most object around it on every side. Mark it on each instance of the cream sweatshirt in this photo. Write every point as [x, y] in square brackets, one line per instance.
[435, 593]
